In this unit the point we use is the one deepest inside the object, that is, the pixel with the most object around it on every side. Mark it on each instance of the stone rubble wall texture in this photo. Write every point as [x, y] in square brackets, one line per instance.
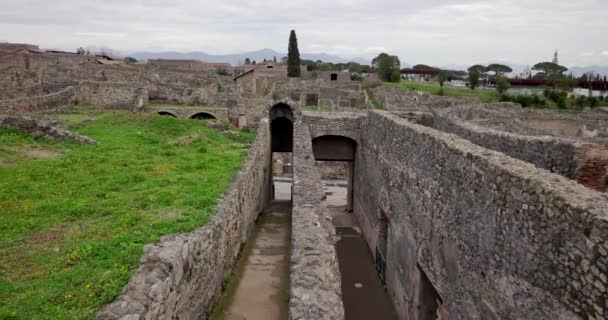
[396, 99]
[38, 103]
[40, 128]
[112, 95]
[315, 277]
[581, 161]
[497, 237]
[181, 276]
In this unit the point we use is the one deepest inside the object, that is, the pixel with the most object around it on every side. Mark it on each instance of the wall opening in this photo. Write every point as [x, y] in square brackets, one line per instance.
[203, 116]
[164, 113]
[334, 77]
[281, 136]
[332, 148]
[282, 175]
[429, 303]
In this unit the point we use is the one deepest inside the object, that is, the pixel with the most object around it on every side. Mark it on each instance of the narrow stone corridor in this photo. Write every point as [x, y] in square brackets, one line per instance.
[363, 294]
[262, 289]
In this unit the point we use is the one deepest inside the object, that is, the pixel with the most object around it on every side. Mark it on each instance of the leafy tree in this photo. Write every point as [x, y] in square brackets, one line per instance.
[443, 77]
[253, 62]
[423, 67]
[130, 60]
[473, 78]
[80, 50]
[499, 69]
[479, 68]
[247, 61]
[552, 70]
[502, 85]
[385, 64]
[293, 56]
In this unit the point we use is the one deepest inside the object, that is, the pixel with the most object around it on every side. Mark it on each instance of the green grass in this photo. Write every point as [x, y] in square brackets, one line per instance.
[317, 108]
[433, 88]
[377, 105]
[73, 226]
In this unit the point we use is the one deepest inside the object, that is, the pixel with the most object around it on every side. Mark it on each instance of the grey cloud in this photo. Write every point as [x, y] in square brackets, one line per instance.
[433, 31]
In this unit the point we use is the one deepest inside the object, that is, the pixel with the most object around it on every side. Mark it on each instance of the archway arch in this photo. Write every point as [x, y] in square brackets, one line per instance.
[165, 113]
[203, 116]
[281, 127]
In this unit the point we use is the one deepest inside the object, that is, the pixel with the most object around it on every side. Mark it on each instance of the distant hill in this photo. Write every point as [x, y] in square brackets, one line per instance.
[237, 58]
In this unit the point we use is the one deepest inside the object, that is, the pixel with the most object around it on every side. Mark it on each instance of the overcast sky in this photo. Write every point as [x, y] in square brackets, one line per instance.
[437, 32]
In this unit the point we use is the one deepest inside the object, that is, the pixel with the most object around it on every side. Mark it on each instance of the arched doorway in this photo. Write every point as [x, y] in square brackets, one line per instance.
[281, 132]
[333, 149]
[165, 113]
[203, 116]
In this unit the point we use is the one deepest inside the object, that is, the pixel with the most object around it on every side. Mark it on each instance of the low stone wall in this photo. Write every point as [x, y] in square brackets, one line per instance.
[181, 276]
[114, 95]
[476, 232]
[315, 277]
[39, 103]
[569, 158]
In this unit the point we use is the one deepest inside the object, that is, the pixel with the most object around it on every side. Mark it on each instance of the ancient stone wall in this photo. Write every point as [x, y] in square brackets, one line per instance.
[114, 95]
[482, 234]
[567, 157]
[315, 277]
[181, 276]
[398, 99]
[39, 103]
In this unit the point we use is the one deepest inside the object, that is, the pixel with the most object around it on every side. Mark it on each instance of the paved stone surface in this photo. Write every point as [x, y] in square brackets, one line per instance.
[363, 294]
[261, 291]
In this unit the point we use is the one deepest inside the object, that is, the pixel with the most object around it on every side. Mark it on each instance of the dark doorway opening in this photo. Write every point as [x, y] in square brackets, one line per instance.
[281, 128]
[164, 113]
[334, 77]
[430, 303]
[203, 116]
[281, 136]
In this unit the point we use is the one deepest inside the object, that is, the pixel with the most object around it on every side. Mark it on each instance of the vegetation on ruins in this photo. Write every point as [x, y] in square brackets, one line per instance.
[385, 66]
[293, 56]
[74, 222]
[435, 89]
[130, 60]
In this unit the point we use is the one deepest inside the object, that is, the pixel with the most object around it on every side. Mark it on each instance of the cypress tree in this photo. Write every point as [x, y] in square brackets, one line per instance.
[293, 56]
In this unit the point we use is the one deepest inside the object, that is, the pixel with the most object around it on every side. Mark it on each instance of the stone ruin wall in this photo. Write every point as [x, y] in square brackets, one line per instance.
[496, 237]
[315, 290]
[181, 276]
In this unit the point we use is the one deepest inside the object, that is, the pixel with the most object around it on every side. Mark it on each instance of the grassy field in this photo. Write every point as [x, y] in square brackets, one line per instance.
[76, 217]
[433, 88]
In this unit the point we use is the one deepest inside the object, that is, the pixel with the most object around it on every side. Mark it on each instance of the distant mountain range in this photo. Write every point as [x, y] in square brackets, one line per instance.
[237, 58]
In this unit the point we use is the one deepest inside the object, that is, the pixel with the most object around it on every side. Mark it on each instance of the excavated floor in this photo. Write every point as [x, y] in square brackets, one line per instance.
[363, 294]
[261, 292]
